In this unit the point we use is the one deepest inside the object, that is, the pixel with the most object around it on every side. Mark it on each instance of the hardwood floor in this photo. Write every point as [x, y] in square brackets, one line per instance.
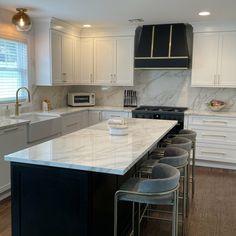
[213, 210]
[5, 217]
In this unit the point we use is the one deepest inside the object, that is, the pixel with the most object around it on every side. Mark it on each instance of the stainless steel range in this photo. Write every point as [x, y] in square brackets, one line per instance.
[162, 112]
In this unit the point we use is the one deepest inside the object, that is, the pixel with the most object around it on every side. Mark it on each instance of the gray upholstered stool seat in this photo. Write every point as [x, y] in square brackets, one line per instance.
[161, 189]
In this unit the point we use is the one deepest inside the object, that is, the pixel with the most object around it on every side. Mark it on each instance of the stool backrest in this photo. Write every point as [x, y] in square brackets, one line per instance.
[187, 133]
[164, 179]
[181, 142]
[174, 156]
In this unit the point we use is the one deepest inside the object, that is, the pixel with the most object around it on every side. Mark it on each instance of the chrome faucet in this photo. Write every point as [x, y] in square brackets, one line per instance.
[17, 99]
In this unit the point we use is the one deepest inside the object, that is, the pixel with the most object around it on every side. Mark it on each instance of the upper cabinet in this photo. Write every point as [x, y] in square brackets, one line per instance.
[214, 54]
[63, 57]
[107, 61]
[55, 53]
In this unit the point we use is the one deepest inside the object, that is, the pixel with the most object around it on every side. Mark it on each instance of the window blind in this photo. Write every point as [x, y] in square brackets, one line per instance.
[13, 69]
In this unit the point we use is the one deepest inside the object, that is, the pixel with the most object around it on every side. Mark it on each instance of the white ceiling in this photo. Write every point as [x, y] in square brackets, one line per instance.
[110, 12]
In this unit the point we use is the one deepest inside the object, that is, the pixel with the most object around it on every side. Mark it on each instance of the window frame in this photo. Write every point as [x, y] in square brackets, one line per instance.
[26, 41]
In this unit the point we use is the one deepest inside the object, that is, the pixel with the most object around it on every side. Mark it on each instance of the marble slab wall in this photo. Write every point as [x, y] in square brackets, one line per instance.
[170, 88]
[163, 87]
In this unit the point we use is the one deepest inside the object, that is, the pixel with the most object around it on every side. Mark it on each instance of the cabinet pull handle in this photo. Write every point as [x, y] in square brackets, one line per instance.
[10, 130]
[216, 153]
[91, 78]
[115, 116]
[76, 123]
[215, 79]
[111, 75]
[114, 76]
[214, 135]
[215, 121]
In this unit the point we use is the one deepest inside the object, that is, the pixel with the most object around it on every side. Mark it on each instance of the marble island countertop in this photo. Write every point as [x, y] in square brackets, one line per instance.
[94, 149]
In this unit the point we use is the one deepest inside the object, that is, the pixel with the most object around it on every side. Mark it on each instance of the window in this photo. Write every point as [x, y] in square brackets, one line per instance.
[13, 69]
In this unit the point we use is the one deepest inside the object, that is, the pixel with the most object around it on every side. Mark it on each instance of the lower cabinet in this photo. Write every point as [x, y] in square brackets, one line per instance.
[216, 140]
[74, 121]
[98, 116]
[11, 140]
[95, 117]
[114, 114]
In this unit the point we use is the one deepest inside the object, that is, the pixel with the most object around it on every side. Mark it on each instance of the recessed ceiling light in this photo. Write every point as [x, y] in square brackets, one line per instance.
[204, 13]
[87, 26]
[138, 20]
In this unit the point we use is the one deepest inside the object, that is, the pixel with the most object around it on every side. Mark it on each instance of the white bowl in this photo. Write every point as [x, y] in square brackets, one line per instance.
[118, 130]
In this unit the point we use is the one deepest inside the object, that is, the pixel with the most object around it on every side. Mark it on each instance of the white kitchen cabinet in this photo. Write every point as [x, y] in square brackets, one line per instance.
[95, 117]
[86, 61]
[216, 140]
[54, 54]
[124, 61]
[74, 121]
[113, 60]
[104, 60]
[62, 58]
[107, 61]
[106, 115]
[12, 139]
[214, 54]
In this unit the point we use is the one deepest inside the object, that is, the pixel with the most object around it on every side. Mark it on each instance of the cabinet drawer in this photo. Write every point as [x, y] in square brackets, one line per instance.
[113, 114]
[219, 153]
[212, 121]
[70, 123]
[13, 139]
[74, 122]
[215, 136]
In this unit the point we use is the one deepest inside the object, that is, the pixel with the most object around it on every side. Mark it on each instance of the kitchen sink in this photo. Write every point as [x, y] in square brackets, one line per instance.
[41, 125]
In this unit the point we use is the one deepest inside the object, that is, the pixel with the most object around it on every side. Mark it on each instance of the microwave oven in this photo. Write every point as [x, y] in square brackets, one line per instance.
[81, 99]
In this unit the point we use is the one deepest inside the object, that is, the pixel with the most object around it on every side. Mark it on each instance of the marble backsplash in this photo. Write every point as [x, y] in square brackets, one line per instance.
[163, 87]
[171, 88]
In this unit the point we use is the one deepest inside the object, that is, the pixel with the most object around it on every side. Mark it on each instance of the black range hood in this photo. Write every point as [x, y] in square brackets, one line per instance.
[166, 46]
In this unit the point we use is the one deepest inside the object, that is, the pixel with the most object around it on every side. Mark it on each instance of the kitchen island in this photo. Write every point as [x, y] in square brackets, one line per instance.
[66, 186]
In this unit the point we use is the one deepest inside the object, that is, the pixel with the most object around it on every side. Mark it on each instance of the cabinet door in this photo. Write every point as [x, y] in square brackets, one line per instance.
[67, 58]
[77, 60]
[124, 61]
[94, 117]
[106, 115]
[56, 52]
[227, 68]
[104, 60]
[86, 61]
[205, 56]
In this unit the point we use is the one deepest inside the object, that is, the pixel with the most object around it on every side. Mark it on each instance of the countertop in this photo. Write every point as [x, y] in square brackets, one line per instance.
[94, 149]
[67, 110]
[8, 123]
[211, 113]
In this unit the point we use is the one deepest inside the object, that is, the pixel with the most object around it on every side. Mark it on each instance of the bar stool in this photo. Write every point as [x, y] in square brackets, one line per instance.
[162, 189]
[178, 157]
[192, 135]
[186, 144]
[173, 156]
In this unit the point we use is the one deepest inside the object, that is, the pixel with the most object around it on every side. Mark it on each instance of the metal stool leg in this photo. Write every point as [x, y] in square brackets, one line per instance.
[193, 169]
[115, 214]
